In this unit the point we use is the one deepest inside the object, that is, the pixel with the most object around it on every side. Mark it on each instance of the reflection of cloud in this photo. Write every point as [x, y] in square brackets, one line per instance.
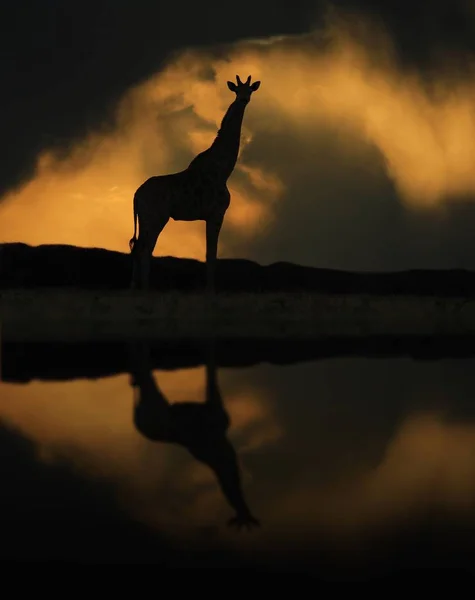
[89, 423]
[428, 464]
[250, 418]
[312, 87]
[94, 418]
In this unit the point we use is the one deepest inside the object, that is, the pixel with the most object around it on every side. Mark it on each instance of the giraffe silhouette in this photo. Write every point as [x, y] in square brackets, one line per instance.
[199, 193]
[200, 428]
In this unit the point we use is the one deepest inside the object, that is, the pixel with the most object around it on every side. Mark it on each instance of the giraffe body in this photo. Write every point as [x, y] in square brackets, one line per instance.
[199, 193]
[183, 196]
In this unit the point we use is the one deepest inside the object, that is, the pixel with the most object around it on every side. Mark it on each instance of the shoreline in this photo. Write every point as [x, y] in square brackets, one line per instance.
[61, 361]
[83, 315]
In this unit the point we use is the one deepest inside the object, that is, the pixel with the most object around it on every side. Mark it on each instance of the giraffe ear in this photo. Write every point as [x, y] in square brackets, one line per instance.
[232, 86]
[255, 85]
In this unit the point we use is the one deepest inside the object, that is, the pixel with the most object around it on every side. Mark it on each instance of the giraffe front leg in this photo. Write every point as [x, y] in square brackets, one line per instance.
[145, 264]
[213, 227]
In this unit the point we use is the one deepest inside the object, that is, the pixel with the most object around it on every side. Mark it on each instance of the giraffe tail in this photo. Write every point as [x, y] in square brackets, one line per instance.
[134, 238]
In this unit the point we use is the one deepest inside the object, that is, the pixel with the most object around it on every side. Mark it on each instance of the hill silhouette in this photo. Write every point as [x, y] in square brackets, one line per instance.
[49, 266]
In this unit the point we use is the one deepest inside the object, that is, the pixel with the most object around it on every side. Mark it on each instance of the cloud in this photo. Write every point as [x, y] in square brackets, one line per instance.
[85, 198]
[338, 142]
[64, 71]
[425, 136]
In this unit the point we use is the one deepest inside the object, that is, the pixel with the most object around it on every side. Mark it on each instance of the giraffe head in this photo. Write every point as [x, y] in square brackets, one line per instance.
[242, 90]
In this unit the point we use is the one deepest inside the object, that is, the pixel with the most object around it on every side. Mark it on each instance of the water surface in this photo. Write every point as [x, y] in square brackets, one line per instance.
[341, 467]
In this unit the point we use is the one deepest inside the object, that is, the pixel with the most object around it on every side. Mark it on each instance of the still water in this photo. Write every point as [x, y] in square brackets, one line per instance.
[342, 467]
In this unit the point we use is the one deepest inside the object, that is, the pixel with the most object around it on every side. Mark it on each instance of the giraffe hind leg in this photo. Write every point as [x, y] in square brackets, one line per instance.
[141, 260]
[143, 250]
[139, 264]
[135, 281]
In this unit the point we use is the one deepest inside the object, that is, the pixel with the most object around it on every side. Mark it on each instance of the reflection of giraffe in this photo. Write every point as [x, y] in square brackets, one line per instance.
[199, 193]
[201, 428]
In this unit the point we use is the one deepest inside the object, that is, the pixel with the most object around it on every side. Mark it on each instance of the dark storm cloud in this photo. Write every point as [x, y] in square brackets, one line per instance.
[338, 204]
[64, 65]
[425, 33]
[341, 211]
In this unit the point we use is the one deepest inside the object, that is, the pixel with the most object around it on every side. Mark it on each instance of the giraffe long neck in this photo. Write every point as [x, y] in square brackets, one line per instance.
[223, 153]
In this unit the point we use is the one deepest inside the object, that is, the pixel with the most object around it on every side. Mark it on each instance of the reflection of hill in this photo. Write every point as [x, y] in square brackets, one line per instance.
[94, 268]
[59, 361]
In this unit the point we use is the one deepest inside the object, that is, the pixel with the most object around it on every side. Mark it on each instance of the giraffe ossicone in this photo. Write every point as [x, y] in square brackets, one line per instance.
[198, 193]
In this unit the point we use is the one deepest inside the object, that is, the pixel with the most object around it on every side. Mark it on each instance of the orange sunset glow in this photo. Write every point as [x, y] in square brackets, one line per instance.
[426, 139]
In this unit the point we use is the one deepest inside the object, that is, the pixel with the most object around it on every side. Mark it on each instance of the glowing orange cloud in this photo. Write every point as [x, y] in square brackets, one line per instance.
[350, 82]
[86, 199]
